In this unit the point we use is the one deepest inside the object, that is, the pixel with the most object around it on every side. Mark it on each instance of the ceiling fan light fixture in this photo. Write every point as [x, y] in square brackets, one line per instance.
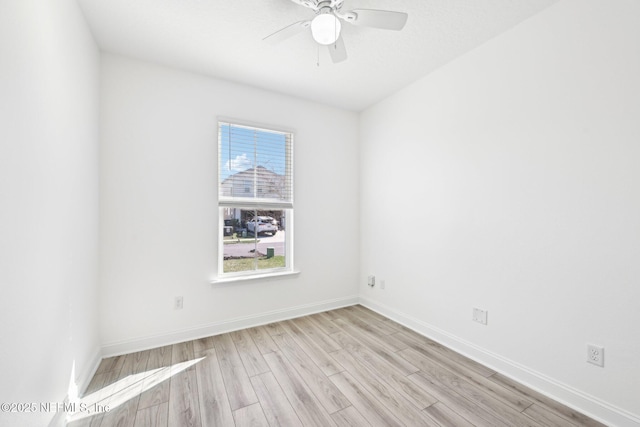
[325, 28]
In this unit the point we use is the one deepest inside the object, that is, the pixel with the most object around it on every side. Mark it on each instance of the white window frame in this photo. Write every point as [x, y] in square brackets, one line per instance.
[258, 204]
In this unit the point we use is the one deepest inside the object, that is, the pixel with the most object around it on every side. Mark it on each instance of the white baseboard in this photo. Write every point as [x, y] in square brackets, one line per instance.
[146, 343]
[569, 396]
[84, 377]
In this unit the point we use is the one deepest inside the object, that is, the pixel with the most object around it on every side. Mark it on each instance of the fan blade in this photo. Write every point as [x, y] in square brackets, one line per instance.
[287, 32]
[311, 4]
[384, 19]
[337, 51]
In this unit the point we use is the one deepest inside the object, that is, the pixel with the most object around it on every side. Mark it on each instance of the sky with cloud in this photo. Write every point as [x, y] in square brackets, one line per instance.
[242, 148]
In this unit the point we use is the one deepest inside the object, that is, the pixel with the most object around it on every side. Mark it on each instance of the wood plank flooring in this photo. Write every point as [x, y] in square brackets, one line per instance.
[345, 367]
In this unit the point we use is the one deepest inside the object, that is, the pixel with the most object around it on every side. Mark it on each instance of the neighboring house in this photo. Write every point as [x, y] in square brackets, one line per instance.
[264, 182]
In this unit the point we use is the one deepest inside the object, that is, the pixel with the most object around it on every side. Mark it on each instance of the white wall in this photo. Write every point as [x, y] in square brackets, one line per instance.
[159, 215]
[48, 203]
[508, 180]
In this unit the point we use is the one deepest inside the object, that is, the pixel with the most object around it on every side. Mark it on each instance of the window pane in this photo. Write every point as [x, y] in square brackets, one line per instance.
[253, 239]
[254, 164]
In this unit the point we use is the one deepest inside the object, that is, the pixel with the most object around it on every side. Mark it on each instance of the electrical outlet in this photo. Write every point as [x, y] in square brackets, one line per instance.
[178, 303]
[371, 281]
[480, 316]
[595, 355]
[382, 284]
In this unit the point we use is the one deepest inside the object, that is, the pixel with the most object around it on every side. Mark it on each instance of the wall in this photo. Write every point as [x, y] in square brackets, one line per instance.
[49, 204]
[508, 180]
[159, 215]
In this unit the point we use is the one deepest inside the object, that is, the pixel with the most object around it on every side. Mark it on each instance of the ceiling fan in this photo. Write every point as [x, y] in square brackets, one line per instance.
[326, 25]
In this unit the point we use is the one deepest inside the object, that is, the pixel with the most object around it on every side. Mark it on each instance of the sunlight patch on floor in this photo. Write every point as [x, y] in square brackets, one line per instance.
[113, 395]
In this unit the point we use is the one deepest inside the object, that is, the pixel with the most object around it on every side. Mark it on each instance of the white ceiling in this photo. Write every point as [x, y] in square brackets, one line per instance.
[223, 39]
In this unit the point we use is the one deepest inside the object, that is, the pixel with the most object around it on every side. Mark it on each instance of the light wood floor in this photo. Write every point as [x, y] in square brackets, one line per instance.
[346, 367]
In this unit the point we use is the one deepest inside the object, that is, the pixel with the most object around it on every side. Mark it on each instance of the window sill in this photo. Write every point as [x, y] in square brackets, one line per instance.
[234, 279]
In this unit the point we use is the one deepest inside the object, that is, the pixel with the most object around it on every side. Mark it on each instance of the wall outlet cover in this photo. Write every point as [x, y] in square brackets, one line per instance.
[480, 316]
[595, 355]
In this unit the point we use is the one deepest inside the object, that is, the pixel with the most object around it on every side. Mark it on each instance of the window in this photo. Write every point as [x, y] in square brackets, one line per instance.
[255, 200]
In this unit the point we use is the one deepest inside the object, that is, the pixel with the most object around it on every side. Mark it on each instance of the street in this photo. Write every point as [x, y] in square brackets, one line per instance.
[243, 249]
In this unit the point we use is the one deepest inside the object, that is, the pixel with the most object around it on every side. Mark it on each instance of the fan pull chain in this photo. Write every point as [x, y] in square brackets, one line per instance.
[318, 60]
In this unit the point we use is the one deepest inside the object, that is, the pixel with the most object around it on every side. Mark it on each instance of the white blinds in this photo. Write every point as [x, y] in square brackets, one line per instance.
[255, 167]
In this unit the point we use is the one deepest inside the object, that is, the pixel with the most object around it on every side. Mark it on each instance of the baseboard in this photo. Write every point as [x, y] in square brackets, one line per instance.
[84, 377]
[146, 343]
[569, 396]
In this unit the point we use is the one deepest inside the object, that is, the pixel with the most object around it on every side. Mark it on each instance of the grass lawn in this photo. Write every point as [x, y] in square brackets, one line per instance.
[244, 264]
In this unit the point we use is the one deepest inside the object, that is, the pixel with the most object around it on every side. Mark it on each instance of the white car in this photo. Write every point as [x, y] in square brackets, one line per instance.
[263, 224]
